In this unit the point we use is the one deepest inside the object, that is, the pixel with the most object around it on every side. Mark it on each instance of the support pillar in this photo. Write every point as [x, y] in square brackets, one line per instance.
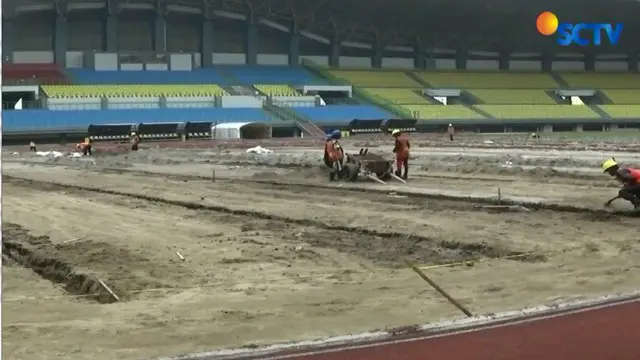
[503, 62]
[206, 45]
[376, 57]
[589, 62]
[251, 42]
[633, 61]
[111, 26]
[160, 34]
[111, 33]
[419, 57]
[462, 55]
[7, 41]
[547, 61]
[334, 55]
[294, 44]
[60, 40]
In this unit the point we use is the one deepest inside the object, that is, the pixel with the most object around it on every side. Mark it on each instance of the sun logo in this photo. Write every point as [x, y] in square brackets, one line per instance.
[547, 23]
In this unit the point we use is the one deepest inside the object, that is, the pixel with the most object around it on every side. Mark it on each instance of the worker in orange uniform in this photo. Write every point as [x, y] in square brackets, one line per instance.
[85, 147]
[334, 154]
[135, 141]
[628, 177]
[401, 149]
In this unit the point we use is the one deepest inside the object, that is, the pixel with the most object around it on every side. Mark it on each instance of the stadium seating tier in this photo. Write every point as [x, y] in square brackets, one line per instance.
[539, 111]
[276, 90]
[93, 91]
[335, 113]
[398, 95]
[42, 120]
[436, 112]
[598, 81]
[622, 111]
[618, 96]
[512, 96]
[488, 80]
[372, 78]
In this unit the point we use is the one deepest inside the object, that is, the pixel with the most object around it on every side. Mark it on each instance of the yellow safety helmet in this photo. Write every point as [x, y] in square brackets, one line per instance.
[608, 164]
[395, 132]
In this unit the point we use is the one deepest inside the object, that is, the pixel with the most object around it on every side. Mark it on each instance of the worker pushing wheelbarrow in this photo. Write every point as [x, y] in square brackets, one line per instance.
[349, 167]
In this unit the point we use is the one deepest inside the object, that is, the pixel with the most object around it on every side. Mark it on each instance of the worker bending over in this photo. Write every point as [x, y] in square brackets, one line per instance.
[135, 141]
[401, 149]
[628, 177]
[85, 147]
[334, 154]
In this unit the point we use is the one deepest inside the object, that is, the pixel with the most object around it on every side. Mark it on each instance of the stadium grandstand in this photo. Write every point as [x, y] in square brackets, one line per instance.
[305, 66]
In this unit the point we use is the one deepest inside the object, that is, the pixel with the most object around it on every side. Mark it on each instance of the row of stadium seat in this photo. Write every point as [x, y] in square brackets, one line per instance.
[401, 96]
[91, 91]
[521, 111]
[487, 79]
[249, 75]
[42, 120]
[405, 96]
[222, 75]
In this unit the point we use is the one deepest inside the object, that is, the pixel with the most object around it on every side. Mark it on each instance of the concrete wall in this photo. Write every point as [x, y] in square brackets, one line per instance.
[241, 102]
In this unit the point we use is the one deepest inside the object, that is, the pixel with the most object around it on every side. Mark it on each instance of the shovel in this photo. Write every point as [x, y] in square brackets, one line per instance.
[608, 203]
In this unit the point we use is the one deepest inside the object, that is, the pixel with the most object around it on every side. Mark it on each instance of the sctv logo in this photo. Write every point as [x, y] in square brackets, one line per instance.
[582, 34]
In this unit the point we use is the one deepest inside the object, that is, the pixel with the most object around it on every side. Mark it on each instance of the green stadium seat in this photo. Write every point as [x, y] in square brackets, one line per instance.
[399, 96]
[488, 80]
[598, 81]
[622, 111]
[623, 96]
[376, 78]
[277, 90]
[438, 112]
[512, 97]
[539, 111]
[93, 91]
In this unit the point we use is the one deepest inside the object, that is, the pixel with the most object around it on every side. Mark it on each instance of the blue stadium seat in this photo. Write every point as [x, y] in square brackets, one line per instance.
[250, 75]
[198, 76]
[46, 120]
[344, 113]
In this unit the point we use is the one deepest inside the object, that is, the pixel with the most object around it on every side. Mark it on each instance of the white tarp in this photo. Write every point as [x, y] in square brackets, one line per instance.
[243, 130]
[258, 150]
[57, 154]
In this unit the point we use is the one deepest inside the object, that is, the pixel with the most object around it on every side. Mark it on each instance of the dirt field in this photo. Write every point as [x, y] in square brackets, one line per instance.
[274, 252]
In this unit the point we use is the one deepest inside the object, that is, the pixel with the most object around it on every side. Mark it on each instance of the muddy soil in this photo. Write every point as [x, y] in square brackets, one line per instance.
[270, 262]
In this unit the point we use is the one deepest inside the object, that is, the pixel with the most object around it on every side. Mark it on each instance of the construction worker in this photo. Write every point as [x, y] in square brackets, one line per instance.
[401, 149]
[334, 154]
[451, 131]
[85, 147]
[135, 141]
[628, 177]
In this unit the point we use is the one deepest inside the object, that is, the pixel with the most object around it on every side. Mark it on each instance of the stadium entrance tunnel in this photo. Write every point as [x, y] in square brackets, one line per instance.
[245, 131]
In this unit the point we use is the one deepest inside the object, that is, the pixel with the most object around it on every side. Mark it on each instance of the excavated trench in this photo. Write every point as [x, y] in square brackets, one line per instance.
[34, 252]
[388, 248]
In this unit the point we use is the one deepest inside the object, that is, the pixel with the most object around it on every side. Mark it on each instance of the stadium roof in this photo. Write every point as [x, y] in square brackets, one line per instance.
[492, 25]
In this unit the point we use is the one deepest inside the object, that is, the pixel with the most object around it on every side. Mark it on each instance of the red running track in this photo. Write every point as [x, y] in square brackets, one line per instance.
[607, 333]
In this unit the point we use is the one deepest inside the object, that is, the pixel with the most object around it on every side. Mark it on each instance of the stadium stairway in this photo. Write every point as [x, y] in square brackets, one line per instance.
[603, 114]
[562, 83]
[417, 79]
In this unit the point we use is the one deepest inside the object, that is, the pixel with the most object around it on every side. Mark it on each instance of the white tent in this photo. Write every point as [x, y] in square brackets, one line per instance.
[244, 130]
